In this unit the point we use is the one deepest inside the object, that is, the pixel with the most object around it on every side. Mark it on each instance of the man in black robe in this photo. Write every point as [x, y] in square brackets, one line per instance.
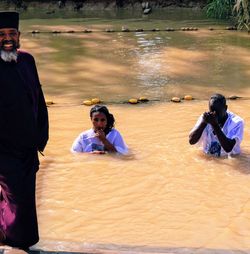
[23, 132]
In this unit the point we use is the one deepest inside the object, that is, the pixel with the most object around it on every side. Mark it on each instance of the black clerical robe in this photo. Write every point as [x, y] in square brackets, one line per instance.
[23, 132]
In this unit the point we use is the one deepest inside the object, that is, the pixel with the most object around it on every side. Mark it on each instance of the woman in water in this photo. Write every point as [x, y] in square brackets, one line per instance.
[102, 137]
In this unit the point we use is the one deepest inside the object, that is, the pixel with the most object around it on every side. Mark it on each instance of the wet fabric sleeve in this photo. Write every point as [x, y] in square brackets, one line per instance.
[78, 145]
[237, 132]
[197, 123]
[119, 144]
[203, 136]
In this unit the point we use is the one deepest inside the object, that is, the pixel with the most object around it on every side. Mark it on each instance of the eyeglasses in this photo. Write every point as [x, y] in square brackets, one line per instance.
[99, 119]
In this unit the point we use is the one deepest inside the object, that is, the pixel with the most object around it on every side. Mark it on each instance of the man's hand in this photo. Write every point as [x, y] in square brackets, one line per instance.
[226, 143]
[210, 118]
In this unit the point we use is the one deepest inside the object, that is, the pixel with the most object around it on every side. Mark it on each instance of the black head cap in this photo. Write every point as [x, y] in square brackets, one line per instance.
[9, 19]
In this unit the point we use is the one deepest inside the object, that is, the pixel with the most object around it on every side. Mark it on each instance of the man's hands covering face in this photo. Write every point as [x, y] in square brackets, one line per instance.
[210, 118]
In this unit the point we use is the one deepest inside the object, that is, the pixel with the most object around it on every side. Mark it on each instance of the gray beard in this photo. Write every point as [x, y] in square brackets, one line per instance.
[9, 56]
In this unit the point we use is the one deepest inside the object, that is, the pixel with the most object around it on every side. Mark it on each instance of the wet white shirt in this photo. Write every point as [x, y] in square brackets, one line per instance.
[87, 142]
[233, 129]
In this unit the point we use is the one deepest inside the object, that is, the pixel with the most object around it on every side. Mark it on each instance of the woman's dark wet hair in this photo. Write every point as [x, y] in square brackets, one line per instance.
[105, 111]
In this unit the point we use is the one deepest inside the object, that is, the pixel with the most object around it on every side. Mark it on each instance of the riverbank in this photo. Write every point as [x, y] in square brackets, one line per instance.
[100, 4]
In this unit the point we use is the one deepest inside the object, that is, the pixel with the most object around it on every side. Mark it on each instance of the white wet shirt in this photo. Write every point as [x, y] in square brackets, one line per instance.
[87, 142]
[233, 129]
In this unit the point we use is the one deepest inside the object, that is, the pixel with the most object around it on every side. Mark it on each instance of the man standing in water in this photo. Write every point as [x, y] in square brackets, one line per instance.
[23, 132]
[219, 131]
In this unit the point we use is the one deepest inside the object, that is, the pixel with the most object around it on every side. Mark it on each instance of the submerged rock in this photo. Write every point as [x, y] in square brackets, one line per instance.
[233, 97]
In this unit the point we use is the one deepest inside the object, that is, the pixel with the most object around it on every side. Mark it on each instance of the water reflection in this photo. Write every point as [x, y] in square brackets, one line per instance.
[154, 65]
[149, 62]
[117, 66]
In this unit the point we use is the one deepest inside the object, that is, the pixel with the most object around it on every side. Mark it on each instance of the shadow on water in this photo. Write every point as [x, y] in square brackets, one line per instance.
[154, 64]
[240, 163]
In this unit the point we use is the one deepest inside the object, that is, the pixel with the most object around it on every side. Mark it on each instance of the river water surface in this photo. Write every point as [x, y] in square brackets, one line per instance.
[166, 196]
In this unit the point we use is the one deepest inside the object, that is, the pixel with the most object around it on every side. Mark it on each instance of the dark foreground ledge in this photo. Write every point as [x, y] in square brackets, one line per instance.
[136, 251]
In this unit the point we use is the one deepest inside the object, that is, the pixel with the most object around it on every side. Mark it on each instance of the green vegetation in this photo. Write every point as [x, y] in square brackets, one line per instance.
[228, 9]
[242, 10]
[221, 9]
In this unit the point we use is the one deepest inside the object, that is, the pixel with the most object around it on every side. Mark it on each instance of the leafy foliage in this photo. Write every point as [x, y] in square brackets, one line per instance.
[224, 9]
[241, 10]
[221, 9]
